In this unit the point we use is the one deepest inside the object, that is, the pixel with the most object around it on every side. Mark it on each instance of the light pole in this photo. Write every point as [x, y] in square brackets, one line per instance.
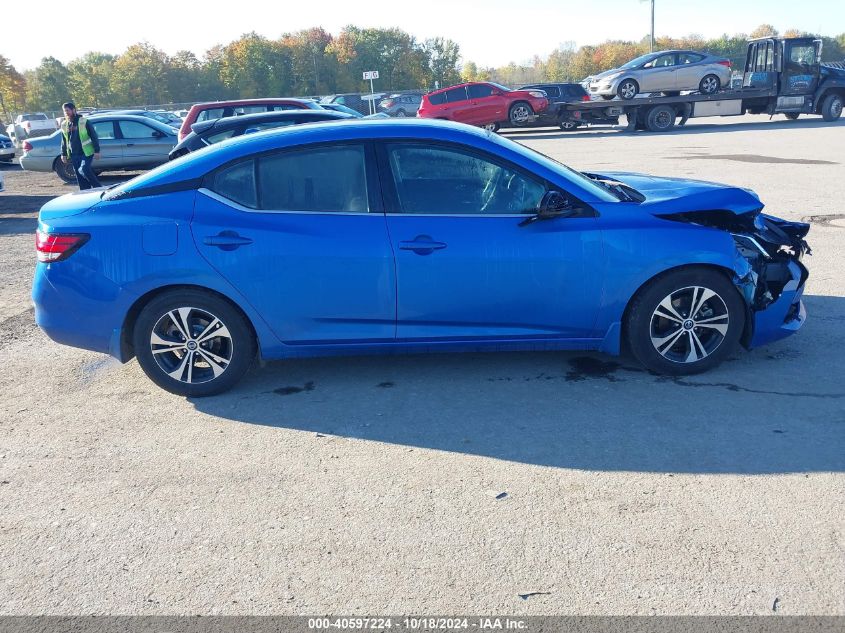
[652, 26]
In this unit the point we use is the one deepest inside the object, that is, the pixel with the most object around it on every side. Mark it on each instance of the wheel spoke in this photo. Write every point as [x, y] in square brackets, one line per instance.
[201, 336]
[667, 342]
[697, 304]
[221, 331]
[180, 320]
[721, 328]
[214, 361]
[666, 304]
[695, 347]
[191, 367]
[180, 371]
[166, 345]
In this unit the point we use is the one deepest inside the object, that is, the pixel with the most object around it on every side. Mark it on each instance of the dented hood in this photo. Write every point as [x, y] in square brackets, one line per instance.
[679, 195]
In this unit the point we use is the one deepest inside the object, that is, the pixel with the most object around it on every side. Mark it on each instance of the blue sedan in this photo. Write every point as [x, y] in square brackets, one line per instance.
[382, 236]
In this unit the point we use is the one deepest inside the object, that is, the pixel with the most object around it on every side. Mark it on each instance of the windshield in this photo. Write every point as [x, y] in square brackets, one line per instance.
[639, 61]
[601, 192]
[499, 86]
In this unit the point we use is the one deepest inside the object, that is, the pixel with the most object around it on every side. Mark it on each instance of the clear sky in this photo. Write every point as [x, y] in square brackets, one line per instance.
[490, 33]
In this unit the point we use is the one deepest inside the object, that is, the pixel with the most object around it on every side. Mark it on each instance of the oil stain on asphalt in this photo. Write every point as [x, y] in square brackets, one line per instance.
[287, 391]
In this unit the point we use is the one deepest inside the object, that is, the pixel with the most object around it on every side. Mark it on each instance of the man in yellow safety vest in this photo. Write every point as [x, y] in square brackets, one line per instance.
[80, 146]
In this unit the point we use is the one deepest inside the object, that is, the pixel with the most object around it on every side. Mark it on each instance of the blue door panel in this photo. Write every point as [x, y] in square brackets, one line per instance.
[487, 277]
[326, 277]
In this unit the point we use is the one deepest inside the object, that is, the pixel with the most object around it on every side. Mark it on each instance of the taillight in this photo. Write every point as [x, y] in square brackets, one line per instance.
[585, 98]
[386, 103]
[26, 146]
[54, 247]
[725, 62]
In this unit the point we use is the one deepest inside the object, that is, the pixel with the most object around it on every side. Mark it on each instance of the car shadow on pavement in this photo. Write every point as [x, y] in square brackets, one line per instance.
[764, 124]
[778, 409]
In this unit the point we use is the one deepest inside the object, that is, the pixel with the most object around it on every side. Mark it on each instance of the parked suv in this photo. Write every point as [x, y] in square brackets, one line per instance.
[222, 109]
[559, 94]
[401, 104]
[484, 104]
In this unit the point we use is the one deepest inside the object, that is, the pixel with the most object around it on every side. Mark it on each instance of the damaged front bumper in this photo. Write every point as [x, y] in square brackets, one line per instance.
[773, 284]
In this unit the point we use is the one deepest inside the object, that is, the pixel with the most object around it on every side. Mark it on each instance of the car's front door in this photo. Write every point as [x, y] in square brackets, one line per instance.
[484, 106]
[144, 145]
[111, 148]
[466, 269]
[659, 74]
[301, 235]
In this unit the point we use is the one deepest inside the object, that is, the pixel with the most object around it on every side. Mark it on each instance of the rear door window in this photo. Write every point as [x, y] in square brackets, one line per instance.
[210, 114]
[104, 130]
[689, 58]
[456, 94]
[316, 179]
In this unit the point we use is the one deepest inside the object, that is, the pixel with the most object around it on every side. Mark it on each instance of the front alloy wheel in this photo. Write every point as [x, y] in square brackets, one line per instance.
[685, 321]
[689, 324]
[520, 113]
[628, 89]
[193, 343]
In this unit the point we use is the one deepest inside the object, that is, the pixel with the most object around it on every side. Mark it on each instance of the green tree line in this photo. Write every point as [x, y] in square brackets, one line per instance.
[314, 62]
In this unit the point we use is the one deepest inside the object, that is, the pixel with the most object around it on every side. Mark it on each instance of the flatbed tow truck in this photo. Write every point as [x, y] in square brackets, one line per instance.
[782, 76]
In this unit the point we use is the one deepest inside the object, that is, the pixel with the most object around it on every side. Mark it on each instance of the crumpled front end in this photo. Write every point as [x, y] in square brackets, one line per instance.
[775, 249]
[773, 281]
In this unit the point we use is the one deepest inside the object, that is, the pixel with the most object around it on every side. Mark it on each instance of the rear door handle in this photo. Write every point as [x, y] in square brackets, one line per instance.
[422, 245]
[226, 240]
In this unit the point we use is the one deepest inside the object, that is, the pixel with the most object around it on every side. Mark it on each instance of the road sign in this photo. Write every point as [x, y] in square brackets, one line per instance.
[370, 74]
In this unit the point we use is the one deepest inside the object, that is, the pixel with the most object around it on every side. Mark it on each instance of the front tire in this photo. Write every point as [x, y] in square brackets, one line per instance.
[685, 321]
[65, 171]
[193, 343]
[628, 89]
[791, 115]
[832, 107]
[401, 114]
[709, 85]
[520, 113]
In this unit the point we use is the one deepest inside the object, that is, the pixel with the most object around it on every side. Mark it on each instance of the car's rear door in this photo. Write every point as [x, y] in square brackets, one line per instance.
[466, 269]
[111, 148]
[690, 71]
[302, 236]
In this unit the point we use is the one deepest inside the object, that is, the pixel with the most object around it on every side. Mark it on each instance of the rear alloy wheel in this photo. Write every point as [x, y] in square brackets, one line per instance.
[65, 171]
[568, 126]
[520, 113]
[628, 89]
[685, 322]
[660, 118]
[709, 85]
[491, 127]
[193, 343]
[832, 107]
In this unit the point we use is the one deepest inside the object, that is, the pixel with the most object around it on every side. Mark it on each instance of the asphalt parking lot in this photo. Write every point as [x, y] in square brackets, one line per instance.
[555, 483]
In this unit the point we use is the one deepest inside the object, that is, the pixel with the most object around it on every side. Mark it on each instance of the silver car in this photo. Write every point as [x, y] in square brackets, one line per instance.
[127, 143]
[664, 71]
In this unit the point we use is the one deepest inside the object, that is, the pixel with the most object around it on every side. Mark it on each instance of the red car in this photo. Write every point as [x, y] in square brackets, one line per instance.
[221, 109]
[483, 103]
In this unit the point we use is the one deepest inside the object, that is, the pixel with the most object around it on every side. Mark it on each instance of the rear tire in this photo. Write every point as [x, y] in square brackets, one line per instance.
[401, 114]
[709, 85]
[685, 321]
[660, 118]
[193, 343]
[65, 171]
[832, 107]
[608, 97]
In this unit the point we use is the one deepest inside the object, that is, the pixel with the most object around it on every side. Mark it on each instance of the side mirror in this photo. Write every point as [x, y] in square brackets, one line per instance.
[553, 205]
[497, 93]
[158, 134]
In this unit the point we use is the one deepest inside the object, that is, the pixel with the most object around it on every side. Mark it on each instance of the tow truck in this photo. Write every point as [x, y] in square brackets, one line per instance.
[783, 75]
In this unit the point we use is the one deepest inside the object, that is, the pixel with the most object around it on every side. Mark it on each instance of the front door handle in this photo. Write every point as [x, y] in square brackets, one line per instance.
[422, 245]
[226, 240]
[130, 145]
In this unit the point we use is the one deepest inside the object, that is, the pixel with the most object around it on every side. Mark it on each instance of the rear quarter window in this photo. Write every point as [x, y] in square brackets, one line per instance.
[437, 99]
[236, 183]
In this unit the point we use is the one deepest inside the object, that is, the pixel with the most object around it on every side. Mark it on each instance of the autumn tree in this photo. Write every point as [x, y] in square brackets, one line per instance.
[254, 66]
[47, 85]
[89, 80]
[12, 89]
[443, 56]
[140, 76]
